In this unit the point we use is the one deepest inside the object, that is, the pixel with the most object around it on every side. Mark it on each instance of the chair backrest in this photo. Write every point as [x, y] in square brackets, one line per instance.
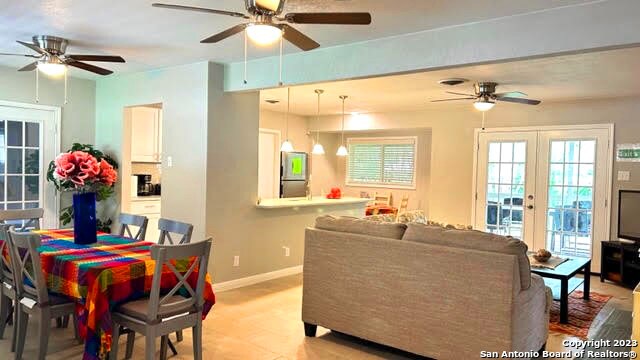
[139, 221]
[168, 227]
[404, 204]
[22, 219]
[30, 280]
[167, 257]
[6, 256]
[382, 199]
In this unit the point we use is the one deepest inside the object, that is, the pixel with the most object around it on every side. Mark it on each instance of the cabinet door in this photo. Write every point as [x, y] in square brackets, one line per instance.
[144, 134]
[153, 234]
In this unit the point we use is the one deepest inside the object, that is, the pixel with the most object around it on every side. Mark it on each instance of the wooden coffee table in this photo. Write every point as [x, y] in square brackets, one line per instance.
[563, 282]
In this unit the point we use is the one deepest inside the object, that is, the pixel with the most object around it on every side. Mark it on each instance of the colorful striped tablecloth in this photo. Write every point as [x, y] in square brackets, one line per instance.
[99, 277]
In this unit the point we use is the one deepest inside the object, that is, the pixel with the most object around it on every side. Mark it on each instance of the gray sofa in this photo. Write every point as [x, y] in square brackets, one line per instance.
[440, 293]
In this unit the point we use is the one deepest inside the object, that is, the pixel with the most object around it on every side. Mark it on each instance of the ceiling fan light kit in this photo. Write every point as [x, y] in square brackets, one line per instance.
[52, 67]
[263, 34]
[484, 104]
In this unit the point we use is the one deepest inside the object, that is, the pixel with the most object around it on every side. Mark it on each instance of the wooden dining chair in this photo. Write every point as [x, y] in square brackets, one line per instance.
[34, 299]
[8, 294]
[404, 204]
[23, 220]
[129, 220]
[158, 316]
[382, 198]
[168, 227]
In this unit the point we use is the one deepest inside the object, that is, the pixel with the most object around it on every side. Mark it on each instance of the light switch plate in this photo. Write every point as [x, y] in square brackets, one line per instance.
[623, 176]
[169, 161]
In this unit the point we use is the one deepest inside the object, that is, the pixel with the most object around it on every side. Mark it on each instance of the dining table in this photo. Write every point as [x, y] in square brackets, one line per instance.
[99, 277]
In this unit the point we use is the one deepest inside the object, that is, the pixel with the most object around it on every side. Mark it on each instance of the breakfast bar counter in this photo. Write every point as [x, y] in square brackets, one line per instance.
[315, 201]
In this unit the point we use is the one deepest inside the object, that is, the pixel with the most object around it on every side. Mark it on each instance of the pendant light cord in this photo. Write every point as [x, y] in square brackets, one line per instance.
[37, 85]
[318, 121]
[280, 69]
[343, 99]
[288, 108]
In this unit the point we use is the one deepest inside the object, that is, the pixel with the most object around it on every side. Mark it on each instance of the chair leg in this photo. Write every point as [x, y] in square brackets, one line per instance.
[197, 340]
[22, 323]
[4, 313]
[76, 332]
[65, 322]
[163, 347]
[150, 346]
[131, 338]
[113, 354]
[179, 336]
[16, 310]
[43, 332]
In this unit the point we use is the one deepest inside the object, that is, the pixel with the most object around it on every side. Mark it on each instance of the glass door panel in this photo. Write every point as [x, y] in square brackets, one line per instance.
[505, 181]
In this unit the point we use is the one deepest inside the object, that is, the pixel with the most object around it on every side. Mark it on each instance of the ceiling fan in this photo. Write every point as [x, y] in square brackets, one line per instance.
[52, 58]
[485, 96]
[267, 24]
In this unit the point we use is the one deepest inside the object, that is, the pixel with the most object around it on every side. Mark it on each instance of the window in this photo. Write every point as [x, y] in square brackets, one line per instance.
[388, 162]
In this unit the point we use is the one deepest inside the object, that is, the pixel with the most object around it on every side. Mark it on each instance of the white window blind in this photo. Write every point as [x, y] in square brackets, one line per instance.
[382, 162]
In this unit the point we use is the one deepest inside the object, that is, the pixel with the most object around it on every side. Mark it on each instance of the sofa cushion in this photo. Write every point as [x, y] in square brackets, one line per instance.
[361, 226]
[477, 240]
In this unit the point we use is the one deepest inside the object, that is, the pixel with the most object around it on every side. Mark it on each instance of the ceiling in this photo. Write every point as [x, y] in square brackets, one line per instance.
[594, 75]
[150, 38]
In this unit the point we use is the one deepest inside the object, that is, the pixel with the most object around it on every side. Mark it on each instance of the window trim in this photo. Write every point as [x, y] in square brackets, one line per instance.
[382, 140]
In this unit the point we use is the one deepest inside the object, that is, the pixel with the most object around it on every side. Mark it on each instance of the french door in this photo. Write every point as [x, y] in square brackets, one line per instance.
[549, 188]
[28, 142]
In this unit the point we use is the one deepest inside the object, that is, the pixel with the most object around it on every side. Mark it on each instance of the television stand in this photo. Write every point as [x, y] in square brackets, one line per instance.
[620, 263]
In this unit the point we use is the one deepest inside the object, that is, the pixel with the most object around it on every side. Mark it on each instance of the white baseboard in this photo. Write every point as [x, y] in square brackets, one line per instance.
[255, 279]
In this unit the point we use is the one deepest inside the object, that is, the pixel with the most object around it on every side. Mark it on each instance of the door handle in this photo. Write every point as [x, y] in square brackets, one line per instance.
[530, 207]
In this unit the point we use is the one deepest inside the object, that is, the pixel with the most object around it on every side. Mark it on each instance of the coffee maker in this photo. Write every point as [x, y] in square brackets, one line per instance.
[145, 188]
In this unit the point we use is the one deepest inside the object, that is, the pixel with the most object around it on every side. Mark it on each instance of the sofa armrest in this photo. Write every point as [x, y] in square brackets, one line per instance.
[531, 316]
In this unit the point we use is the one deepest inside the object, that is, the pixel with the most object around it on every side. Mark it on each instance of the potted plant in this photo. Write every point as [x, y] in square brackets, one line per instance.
[91, 175]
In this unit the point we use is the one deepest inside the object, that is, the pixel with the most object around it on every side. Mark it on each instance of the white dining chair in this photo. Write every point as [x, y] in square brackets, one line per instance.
[127, 221]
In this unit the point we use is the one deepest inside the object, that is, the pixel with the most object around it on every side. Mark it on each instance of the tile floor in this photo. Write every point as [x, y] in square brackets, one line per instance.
[262, 322]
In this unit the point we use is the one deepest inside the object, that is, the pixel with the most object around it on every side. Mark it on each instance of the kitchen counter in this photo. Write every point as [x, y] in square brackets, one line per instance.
[146, 198]
[304, 202]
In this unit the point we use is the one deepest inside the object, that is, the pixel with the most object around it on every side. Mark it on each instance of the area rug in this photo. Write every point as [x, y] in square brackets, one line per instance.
[581, 314]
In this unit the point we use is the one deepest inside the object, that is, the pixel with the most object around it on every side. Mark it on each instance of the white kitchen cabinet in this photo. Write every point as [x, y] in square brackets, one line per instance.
[146, 134]
[149, 207]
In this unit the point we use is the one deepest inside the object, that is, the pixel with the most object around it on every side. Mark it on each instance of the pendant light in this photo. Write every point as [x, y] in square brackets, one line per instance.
[342, 150]
[318, 149]
[287, 146]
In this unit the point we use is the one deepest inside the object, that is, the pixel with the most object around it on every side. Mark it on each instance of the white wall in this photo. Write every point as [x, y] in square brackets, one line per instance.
[182, 91]
[450, 198]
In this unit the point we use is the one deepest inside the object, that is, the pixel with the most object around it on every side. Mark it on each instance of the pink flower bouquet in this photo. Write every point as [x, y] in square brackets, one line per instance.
[81, 171]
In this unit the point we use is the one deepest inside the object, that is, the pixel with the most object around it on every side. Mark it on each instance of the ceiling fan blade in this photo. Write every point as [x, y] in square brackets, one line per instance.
[225, 34]
[33, 47]
[29, 67]
[25, 55]
[89, 67]
[457, 93]
[100, 58]
[515, 94]
[199, 9]
[354, 18]
[467, 98]
[518, 100]
[297, 38]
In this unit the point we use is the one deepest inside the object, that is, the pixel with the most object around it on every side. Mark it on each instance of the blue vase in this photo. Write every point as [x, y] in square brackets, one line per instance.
[84, 218]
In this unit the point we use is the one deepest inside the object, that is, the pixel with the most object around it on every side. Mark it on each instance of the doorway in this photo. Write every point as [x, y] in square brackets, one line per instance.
[549, 187]
[268, 164]
[29, 140]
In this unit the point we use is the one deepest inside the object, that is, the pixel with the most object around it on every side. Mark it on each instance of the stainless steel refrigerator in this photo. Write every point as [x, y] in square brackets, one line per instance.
[294, 174]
